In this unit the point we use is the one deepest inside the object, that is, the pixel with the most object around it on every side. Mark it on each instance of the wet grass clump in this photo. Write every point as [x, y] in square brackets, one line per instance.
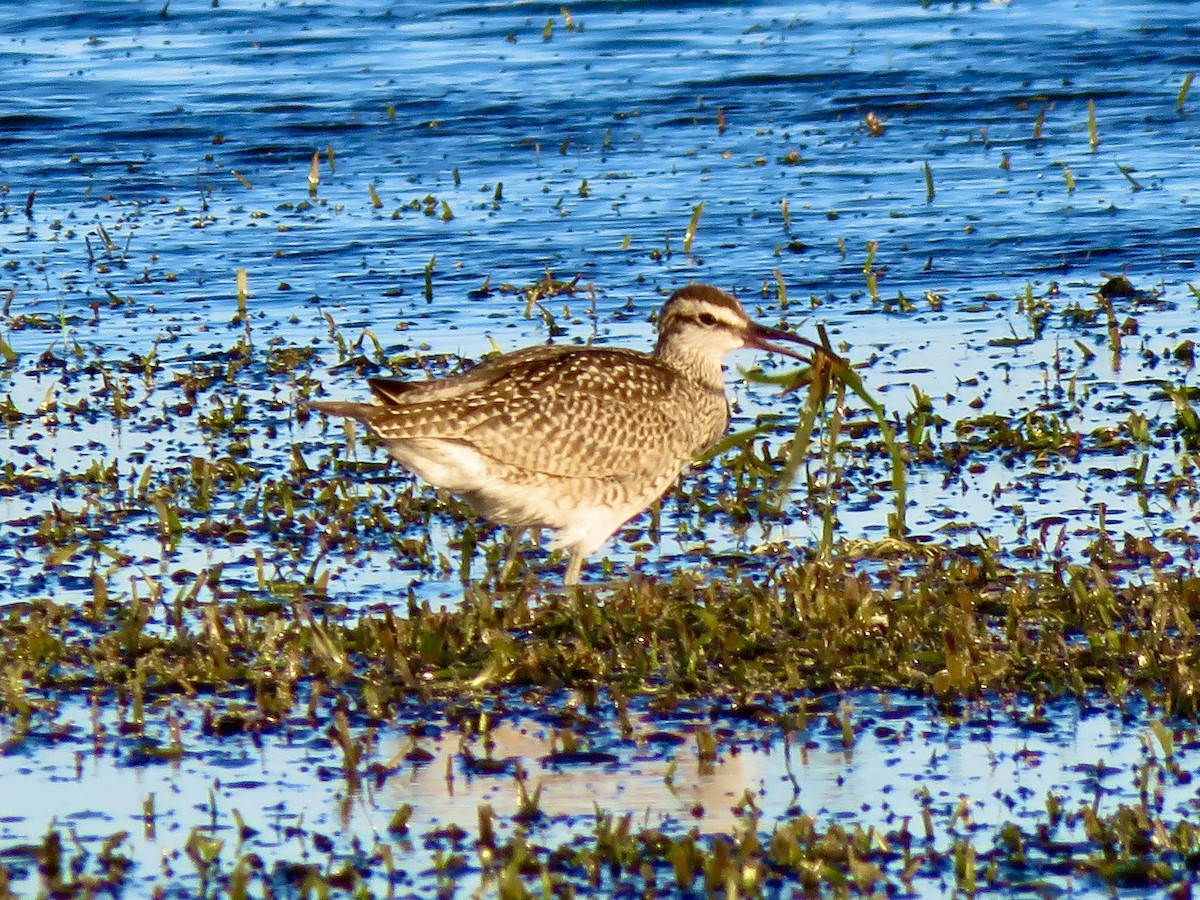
[958, 625]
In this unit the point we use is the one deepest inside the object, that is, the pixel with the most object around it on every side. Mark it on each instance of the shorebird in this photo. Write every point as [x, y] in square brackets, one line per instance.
[574, 439]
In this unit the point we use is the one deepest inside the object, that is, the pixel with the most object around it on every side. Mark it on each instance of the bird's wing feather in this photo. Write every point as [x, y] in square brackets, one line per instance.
[526, 410]
[400, 392]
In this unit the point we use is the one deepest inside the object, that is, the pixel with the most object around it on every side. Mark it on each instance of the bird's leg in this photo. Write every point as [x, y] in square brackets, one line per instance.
[574, 565]
[513, 556]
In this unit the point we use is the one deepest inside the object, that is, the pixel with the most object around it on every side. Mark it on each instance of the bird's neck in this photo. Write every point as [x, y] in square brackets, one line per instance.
[697, 363]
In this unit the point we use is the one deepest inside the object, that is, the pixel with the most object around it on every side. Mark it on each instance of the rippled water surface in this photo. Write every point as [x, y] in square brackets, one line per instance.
[889, 764]
[1005, 160]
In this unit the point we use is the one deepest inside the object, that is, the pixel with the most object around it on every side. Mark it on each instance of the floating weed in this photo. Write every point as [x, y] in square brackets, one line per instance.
[314, 173]
[1068, 178]
[1186, 418]
[870, 273]
[398, 824]
[204, 853]
[429, 279]
[243, 294]
[1127, 173]
[545, 288]
[9, 413]
[8, 355]
[689, 233]
[528, 804]
[352, 749]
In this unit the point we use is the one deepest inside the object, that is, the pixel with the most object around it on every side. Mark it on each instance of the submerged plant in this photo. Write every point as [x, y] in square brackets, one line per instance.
[828, 378]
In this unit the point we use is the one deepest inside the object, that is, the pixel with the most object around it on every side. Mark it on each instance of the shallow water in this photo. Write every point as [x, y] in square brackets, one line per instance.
[153, 150]
[875, 761]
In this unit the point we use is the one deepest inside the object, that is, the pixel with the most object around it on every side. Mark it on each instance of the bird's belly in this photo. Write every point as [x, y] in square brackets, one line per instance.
[452, 465]
[585, 511]
[495, 492]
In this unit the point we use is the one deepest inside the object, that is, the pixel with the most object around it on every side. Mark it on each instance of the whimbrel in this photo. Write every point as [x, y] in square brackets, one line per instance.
[574, 439]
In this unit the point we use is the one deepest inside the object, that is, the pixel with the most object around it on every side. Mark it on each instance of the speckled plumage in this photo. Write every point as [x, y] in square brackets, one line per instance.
[575, 439]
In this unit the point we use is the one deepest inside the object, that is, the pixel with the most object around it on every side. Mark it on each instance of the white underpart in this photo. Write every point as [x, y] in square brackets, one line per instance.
[527, 499]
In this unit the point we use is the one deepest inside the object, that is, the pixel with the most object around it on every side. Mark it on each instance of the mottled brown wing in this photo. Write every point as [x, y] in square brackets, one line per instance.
[570, 411]
[399, 392]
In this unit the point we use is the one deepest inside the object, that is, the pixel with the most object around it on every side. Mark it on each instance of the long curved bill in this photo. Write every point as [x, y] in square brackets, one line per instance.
[762, 337]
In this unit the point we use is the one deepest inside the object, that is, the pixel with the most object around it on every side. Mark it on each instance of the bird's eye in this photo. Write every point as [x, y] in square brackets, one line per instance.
[708, 319]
